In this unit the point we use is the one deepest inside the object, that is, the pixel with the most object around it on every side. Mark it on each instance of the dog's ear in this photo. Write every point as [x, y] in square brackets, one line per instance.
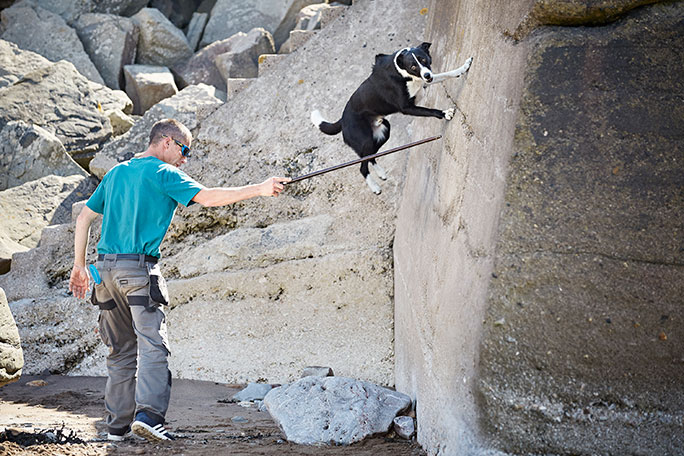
[379, 56]
[425, 46]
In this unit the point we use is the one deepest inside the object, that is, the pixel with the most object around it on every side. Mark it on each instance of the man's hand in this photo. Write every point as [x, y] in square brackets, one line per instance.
[78, 283]
[273, 186]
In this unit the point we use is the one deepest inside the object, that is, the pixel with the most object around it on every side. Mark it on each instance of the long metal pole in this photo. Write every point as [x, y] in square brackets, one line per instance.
[363, 159]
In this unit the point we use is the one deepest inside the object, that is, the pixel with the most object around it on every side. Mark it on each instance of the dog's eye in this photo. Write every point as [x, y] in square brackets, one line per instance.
[413, 67]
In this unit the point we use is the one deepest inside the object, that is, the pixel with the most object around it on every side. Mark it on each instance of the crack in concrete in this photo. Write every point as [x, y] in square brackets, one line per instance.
[607, 256]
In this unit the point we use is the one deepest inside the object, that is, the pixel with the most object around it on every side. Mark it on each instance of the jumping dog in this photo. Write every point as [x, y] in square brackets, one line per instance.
[392, 87]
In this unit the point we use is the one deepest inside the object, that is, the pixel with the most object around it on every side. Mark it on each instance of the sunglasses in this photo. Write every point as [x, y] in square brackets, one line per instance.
[185, 150]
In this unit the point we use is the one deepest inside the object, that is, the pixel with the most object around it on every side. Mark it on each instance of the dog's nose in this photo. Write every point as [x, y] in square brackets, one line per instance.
[428, 77]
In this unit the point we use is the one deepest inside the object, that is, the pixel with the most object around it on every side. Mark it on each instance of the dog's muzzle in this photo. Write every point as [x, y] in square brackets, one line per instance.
[427, 76]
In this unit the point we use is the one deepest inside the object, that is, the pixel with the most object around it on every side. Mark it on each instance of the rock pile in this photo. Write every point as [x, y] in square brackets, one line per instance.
[78, 82]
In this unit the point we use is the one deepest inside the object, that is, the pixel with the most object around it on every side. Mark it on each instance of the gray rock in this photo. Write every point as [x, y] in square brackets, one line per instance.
[70, 10]
[29, 152]
[317, 371]
[259, 247]
[160, 42]
[111, 42]
[333, 410]
[253, 392]
[234, 57]
[179, 12]
[121, 122]
[196, 29]
[15, 63]
[57, 330]
[36, 29]
[68, 106]
[11, 354]
[109, 100]
[296, 39]
[313, 17]
[49, 199]
[229, 17]
[182, 106]
[147, 85]
[404, 427]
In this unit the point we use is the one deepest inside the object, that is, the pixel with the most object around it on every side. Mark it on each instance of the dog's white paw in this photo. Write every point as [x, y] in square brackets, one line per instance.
[379, 171]
[449, 113]
[373, 186]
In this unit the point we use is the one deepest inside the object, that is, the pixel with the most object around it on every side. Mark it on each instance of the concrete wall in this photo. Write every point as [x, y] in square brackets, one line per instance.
[538, 253]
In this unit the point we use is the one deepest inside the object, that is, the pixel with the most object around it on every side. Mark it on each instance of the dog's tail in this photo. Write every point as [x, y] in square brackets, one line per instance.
[326, 127]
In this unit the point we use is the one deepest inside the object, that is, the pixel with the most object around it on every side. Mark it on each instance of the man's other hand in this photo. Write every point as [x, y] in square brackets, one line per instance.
[78, 283]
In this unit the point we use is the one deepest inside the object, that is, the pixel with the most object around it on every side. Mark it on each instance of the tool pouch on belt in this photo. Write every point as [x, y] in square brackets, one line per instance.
[158, 291]
[102, 298]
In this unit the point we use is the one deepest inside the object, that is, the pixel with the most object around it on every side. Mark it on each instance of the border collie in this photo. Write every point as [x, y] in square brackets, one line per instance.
[391, 88]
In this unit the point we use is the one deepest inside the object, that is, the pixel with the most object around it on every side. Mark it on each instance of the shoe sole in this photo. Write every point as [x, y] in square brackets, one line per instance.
[145, 431]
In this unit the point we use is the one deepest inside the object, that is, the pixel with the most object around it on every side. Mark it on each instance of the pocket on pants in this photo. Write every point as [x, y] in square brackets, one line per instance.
[159, 293]
[102, 298]
[135, 288]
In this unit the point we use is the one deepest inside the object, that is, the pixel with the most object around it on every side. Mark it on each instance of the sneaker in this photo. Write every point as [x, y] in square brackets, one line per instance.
[145, 427]
[119, 436]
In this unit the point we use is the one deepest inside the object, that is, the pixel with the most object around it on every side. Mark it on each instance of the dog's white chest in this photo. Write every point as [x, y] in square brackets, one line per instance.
[414, 86]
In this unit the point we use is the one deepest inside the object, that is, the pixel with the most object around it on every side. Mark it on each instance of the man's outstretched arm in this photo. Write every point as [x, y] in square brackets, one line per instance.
[222, 196]
[78, 283]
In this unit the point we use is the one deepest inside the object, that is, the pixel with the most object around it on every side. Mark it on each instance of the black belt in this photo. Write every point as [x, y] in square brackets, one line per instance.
[130, 256]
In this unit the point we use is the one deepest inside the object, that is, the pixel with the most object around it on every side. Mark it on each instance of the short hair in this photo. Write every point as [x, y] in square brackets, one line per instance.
[169, 127]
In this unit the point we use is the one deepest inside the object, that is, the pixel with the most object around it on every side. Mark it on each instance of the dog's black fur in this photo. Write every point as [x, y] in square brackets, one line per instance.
[391, 88]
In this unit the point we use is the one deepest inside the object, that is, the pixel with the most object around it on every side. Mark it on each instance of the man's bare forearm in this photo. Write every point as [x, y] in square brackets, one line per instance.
[222, 196]
[82, 235]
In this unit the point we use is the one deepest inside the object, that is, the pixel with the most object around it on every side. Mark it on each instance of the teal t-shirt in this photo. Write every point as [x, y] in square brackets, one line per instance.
[138, 199]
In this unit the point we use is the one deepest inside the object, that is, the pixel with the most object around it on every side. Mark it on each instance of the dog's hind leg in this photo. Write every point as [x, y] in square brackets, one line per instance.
[381, 134]
[452, 74]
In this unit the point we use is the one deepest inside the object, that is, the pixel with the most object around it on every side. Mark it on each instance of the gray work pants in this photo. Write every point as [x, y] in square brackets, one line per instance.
[133, 327]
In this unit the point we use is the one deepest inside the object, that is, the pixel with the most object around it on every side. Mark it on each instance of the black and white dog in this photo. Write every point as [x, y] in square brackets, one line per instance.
[391, 88]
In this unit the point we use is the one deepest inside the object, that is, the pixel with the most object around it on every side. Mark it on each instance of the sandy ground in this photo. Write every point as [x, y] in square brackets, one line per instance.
[75, 404]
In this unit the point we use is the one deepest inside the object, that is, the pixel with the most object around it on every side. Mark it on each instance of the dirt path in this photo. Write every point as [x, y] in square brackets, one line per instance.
[208, 426]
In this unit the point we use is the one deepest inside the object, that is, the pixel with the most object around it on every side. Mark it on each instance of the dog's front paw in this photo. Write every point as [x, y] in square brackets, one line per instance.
[449, 113]
[468, 63]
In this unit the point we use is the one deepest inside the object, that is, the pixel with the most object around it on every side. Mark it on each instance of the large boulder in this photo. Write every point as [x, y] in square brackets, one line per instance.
[36, 29]
[57, 331]
[29, 152]
[27, 209]
[11, 354]
[147, 85]
[111, 42]
[235, 57]
[229, 17]
[80, 122]
[15, 62]
[160, 42]
[333, 410]
[184, 106]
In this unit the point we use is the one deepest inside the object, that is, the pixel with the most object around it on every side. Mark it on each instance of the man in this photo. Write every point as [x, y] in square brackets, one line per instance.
[138, 199]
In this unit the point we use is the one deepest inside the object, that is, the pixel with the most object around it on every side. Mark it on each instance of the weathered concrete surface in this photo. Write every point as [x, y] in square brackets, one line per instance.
[538, 255]
[446, 227]
[11, 355]
[590, 257]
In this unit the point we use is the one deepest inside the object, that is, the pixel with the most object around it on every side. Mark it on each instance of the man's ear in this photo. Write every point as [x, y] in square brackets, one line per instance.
[425, 46]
